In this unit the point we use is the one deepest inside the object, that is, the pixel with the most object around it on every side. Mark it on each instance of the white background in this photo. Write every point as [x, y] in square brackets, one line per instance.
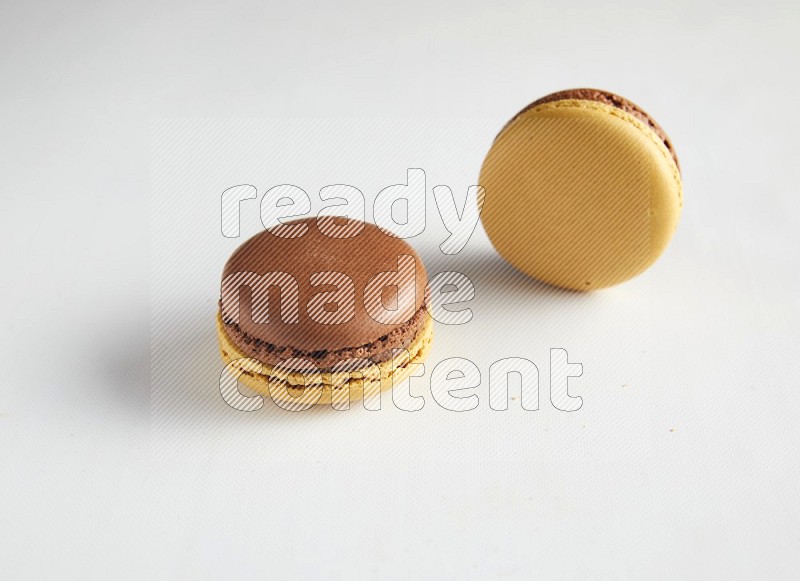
[683, 460]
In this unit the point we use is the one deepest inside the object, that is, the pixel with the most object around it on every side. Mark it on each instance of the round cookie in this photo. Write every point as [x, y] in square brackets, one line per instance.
[583, 190]
[314, 312]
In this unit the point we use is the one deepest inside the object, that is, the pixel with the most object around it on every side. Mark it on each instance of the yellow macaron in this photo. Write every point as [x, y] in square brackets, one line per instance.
[582, 190]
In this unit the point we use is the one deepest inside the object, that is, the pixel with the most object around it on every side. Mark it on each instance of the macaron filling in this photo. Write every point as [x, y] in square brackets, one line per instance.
[337, 387]
[378, 351]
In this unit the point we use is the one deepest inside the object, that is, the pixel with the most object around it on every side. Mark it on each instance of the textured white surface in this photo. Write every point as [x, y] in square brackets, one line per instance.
[683, 460]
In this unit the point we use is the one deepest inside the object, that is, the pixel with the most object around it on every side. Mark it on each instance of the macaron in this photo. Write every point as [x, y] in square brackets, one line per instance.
[315, 312]
[582, 190]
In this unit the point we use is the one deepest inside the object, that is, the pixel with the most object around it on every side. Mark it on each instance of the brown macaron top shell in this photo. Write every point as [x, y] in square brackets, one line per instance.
[609, 99]
[360, 257]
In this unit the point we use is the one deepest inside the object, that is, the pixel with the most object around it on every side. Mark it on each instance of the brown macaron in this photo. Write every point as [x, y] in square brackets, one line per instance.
[312, 310]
